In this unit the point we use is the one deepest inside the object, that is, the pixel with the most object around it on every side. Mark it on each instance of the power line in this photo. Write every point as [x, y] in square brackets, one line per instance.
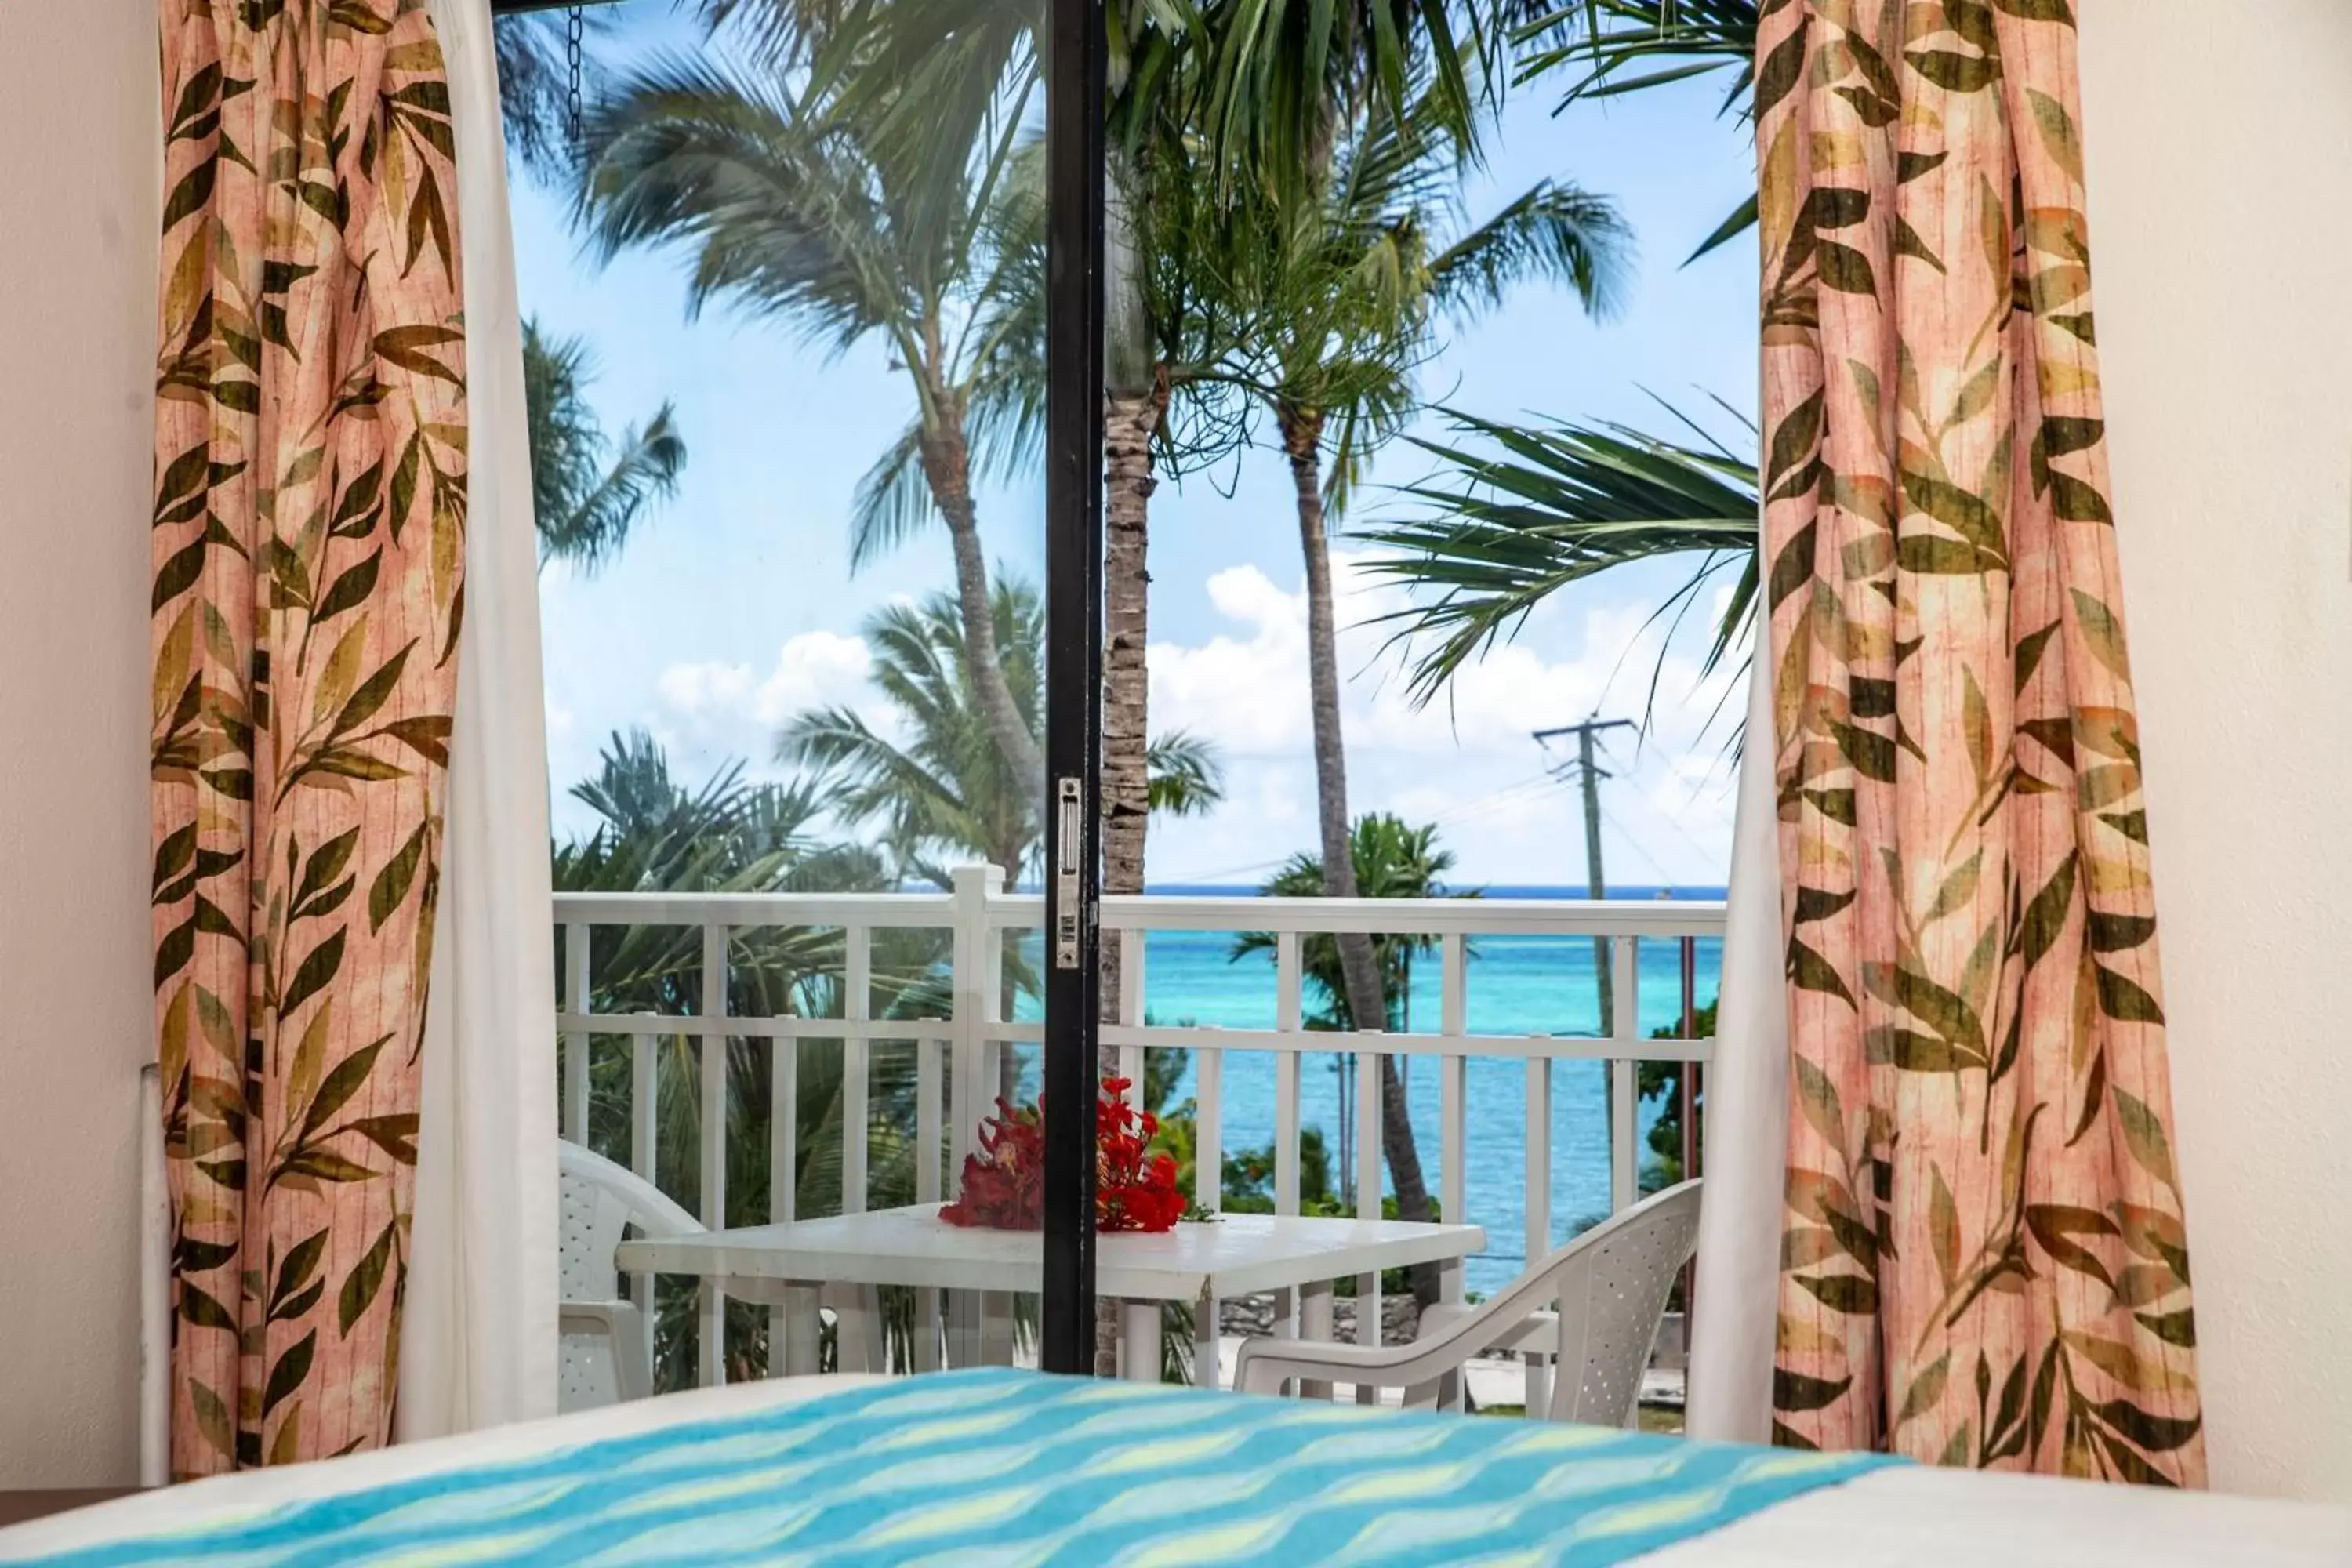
[1672, 821]
[1468, 811]
[1673, 825]
[1633, 842]
[1494, 801]
[1224, 871]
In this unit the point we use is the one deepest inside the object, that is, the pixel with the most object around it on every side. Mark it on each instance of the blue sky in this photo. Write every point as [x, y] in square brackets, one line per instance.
[735, 606]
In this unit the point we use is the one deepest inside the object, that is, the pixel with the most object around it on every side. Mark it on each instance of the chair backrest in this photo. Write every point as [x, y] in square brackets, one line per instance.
[600, 1201]
[1611, 1284]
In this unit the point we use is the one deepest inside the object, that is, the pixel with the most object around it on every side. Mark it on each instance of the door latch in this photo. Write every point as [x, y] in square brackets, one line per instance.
[1069, 862]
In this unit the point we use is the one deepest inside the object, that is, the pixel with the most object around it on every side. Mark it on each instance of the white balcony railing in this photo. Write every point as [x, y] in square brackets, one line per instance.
[964, 1046]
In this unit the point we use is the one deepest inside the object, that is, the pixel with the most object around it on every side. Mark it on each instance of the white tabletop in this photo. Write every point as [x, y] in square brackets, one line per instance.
[1238, 1254]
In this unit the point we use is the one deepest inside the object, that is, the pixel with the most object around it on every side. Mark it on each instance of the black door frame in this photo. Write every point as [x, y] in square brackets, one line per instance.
[1076, 76]
[1075, 89]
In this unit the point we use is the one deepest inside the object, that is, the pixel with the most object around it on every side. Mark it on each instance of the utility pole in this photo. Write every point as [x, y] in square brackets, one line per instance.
[1589, 775]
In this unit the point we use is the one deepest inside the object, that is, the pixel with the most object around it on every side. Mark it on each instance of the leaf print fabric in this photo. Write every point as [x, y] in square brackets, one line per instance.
[308, 543]
[1983, 1257]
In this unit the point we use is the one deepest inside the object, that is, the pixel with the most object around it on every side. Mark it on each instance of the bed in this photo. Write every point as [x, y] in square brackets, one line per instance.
[997, 1466]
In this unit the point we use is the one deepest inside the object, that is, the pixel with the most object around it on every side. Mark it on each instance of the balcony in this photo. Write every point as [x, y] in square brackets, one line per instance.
[863, 1037]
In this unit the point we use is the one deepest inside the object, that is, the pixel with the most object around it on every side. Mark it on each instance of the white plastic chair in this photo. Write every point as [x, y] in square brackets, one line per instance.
[1610, 1286]
[607, 1348]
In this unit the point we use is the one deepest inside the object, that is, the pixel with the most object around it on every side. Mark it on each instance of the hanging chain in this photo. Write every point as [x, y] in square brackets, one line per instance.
[571, 55]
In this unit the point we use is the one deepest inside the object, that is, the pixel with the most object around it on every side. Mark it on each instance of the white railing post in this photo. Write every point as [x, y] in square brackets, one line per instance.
[927, 1191]
[856, 1077]
[784, 1168]
[1539, 1230]
[1289, 1019]
[927, 1120]
[576, 1041]
[712, 1367]
[977, 988]
[1208, 1191]
[1130, 1012]
[1452, 1100]
[1625, 1097]
[645, 1093]
[1290, 1013]
[1367, 1193]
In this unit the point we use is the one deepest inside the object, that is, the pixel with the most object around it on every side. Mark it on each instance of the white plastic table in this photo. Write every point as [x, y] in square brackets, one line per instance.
[1238, 1254]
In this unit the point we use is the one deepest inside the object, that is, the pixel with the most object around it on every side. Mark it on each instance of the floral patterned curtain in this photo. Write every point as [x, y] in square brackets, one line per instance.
[1983, 1258]
[309, 531]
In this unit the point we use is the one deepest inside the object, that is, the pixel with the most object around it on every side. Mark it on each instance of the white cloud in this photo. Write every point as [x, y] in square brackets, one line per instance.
[813, 669]
[1247, 692]
[1467, 762]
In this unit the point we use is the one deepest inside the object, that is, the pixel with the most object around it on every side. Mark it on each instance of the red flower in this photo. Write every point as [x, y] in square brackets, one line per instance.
[1004, 1182]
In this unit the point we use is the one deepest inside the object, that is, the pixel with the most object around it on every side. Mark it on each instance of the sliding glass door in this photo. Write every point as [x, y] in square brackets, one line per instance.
[1074, 663]
[814, 349]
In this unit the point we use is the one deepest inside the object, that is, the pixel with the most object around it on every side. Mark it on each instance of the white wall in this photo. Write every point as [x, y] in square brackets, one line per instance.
[78, 215]
[2220, 148]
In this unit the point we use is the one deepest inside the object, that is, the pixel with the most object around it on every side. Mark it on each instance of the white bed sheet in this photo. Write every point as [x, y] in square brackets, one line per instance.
[1911, 1515]
[1897, 1518]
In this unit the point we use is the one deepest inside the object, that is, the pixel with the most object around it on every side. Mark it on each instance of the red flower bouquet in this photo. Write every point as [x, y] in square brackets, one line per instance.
[1004, 1183]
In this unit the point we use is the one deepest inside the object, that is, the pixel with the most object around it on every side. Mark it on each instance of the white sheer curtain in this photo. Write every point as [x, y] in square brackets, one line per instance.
[1737, 1288]
[477, 1342]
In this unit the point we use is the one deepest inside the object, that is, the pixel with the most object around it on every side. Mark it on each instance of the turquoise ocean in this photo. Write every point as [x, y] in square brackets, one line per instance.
[1517, 985]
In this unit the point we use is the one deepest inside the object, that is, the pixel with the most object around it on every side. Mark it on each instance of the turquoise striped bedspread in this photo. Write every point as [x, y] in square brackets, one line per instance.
[995, 1467]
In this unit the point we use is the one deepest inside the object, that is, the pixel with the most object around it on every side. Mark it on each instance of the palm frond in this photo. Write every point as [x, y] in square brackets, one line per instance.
[1604, 39]
[892, 502]
[1184, 775]
[1619, 47]
[645, 468]
[783, 34]
[933, 81]
[1540, 508]
[1554, 232]
[1274, 69]
[534, 86]
[779, 210]
[588, 493]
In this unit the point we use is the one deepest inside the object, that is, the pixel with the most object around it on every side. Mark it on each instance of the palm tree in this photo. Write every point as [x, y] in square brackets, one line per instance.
[1537, 508]
[794, 213]
[932, 781]
[1344, 292]
[943, 791]
[1391, 860]
[588, 491]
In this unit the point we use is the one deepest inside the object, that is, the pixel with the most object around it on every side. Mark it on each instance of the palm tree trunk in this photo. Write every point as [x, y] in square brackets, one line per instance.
[1367, 999]
[947, 469]
[1129, 420]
